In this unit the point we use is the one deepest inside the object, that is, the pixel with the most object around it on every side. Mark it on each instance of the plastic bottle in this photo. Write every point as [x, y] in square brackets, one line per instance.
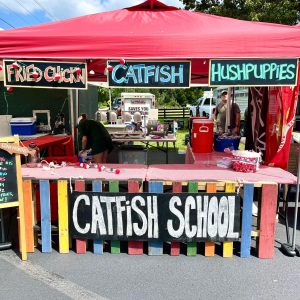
[33, 159]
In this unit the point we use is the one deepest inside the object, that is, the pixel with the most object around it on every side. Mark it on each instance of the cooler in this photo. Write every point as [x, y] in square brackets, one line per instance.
[202, 135]
[23, 126]
[191, 126]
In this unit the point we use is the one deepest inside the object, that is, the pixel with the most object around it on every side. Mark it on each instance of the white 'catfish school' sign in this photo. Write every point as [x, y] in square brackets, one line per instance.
[181, 217]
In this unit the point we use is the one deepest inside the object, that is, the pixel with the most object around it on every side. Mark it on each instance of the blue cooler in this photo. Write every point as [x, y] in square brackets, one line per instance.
[226, 142]
[23, 126]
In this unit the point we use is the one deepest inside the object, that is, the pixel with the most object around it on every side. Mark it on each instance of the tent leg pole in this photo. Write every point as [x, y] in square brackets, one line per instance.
[71, 99]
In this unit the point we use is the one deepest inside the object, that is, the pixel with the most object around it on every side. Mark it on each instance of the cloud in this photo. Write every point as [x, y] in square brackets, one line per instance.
[63, 9]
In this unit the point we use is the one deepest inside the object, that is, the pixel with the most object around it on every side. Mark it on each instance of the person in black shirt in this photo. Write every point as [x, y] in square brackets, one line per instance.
[93, 135]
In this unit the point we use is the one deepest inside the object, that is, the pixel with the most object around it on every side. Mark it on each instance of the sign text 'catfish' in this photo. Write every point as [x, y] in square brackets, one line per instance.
[155, 74]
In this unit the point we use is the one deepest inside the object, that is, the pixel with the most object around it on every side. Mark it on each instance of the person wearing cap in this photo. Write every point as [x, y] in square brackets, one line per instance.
[93, 135]
[220, 115]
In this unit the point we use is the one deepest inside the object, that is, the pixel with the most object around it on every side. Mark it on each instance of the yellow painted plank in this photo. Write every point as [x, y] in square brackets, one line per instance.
[63, 216]
[11, 204]
[228, 246]
[21, 214]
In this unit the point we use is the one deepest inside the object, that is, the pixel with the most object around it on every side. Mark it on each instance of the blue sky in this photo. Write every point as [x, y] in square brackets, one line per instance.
[21, 13]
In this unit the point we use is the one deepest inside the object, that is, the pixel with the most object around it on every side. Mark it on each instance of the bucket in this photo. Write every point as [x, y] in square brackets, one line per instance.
[5, 129]
[202, 136]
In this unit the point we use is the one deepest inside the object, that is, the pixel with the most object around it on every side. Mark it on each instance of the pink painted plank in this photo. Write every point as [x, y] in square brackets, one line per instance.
[267, 221]
[80, 243]
[210, 172]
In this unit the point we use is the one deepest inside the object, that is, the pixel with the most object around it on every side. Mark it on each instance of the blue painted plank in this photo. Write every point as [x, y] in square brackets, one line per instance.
[45, 216]
[247, 220]
[155, 248]
[98, 244]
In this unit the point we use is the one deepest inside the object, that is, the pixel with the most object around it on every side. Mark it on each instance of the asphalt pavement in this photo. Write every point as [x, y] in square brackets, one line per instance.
[108, 276]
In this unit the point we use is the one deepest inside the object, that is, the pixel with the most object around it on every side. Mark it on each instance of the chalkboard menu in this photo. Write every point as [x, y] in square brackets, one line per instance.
[253, 72]
[8, 178]
[150, 74]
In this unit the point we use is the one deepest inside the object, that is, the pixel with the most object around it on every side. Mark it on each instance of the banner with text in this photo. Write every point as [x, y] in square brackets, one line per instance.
[45, 74]
[253, 72]
[181, 217]
[150, 74]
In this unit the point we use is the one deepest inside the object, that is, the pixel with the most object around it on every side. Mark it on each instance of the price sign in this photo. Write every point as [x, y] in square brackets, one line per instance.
[11, 191]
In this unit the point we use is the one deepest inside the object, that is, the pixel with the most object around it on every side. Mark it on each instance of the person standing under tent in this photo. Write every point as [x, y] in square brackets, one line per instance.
[93, 135]
[220, 115]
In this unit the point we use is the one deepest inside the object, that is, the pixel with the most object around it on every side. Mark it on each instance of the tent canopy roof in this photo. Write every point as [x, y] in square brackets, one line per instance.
[151, 30]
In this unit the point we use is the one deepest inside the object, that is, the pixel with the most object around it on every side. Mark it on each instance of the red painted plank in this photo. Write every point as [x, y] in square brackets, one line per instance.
[175, 246]
[134, 247]
[267, 221]
[80, 243]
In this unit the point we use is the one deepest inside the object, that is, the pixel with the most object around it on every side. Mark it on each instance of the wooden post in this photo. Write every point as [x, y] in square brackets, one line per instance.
[80, 243]
[247, 220]
[28, 210]
[209, 248]
[98, 244]
[63, 216]
[228, 246]
[175, 246]
[192, 246]
[267, 221]
[155, 248]
[134, 247]
[114, 245]
[45, 216]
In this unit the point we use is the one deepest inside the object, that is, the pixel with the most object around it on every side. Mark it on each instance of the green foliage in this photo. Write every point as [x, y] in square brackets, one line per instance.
[164, 97]
[273, 11]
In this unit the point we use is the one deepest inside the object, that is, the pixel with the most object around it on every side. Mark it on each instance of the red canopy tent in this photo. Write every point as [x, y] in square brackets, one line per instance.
[151, 30]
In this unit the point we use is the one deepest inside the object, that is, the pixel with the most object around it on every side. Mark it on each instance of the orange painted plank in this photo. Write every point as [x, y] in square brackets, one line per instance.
[209, 248]
[175, 246]
[29, 218]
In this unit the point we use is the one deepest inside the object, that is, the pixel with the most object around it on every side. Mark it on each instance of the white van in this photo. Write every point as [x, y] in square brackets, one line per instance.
[137, 102]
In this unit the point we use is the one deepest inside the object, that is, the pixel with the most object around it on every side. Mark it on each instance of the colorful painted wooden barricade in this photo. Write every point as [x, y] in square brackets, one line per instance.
[265, 233]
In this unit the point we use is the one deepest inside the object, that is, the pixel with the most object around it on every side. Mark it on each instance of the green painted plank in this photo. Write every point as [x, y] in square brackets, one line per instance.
[114, 245]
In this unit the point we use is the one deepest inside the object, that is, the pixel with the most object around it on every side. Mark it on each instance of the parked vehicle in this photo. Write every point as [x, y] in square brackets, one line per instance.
[116, 105]
[138, 103]
[203, 107]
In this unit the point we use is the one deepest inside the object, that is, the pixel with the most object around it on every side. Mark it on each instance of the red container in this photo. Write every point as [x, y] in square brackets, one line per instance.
[192, 119]
[202, 136]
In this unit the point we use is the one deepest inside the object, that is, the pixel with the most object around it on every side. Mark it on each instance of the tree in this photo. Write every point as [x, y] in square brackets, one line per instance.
[282, 12]
[164, 97]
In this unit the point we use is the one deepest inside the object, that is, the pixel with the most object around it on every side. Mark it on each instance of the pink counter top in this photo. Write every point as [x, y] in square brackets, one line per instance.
[204, 159]
[190, 172]
[127, 172]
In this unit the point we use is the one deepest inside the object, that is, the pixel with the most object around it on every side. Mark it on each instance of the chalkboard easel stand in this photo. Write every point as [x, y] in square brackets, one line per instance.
[17, 200]
[3, 244]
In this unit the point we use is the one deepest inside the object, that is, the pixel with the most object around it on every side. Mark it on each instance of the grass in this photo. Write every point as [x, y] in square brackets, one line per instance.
[179, 145]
